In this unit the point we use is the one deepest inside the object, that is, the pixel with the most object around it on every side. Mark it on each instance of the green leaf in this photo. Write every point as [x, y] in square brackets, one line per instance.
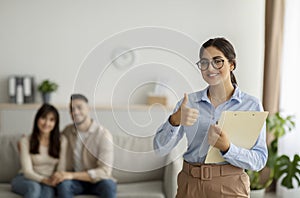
[287, 169]
[278, 125]
[47, 86]
[255, 179]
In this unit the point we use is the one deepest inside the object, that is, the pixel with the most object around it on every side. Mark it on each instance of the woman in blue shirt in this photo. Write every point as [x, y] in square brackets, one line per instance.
[196, 116]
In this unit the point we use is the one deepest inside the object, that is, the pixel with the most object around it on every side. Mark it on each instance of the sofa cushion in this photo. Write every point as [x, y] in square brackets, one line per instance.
[135, 190]
[135, 160]
[153, 189]
[9, 156]
[5, 191]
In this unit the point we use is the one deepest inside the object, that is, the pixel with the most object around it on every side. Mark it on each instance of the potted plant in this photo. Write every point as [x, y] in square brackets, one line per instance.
[277, 126]
[282, 165]
[258, 186]
[46, 87]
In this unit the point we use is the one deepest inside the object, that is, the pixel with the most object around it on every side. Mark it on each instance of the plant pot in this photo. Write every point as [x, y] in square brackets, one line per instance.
[46, 97]
[257, 193]
[282, 191]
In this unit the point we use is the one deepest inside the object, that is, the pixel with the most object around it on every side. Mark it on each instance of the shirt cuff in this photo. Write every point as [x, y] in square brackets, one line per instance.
[92, 173]
[232, 152]
[173, 129]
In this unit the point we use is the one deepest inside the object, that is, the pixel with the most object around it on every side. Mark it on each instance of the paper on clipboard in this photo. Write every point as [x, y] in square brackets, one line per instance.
[242, 128]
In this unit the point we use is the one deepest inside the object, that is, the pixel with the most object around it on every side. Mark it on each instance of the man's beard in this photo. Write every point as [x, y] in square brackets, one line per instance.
[80, 122]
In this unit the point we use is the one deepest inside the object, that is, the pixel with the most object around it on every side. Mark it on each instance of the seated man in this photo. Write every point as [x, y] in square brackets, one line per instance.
[89, 155]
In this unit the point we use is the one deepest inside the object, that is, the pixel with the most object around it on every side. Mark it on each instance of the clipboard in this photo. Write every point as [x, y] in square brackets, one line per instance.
[242, 128]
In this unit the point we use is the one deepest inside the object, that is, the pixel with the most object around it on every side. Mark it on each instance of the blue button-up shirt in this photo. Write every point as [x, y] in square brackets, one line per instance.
[168, 136]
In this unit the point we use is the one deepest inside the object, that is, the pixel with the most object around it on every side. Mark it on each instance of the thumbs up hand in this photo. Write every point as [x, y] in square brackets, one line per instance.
[185, 115]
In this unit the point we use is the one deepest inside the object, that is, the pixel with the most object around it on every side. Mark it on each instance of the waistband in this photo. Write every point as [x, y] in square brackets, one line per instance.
[208, 171]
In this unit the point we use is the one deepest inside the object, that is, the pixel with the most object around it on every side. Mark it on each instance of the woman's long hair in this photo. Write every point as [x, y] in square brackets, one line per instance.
[226, 48]
[54, 142]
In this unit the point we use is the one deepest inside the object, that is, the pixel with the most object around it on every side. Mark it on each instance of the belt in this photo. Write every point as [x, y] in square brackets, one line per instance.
[208, 171]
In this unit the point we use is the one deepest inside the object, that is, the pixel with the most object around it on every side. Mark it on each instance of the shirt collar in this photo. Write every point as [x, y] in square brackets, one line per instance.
[202, 95]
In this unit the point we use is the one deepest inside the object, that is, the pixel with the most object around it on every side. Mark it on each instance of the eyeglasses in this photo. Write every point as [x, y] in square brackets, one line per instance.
[203, 64]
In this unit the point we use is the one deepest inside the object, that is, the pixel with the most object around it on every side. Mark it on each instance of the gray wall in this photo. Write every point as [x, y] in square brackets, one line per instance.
[58, 39]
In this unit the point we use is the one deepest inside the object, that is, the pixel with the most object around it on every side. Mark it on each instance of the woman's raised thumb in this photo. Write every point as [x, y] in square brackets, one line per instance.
[185, 99]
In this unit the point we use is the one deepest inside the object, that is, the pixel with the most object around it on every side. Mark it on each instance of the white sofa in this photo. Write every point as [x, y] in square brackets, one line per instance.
[130, 169]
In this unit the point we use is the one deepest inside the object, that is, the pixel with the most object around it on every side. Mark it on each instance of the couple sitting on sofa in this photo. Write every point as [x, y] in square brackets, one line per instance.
[77, 162]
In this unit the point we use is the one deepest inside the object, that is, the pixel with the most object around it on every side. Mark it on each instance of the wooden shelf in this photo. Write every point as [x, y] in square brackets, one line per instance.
[12, 106]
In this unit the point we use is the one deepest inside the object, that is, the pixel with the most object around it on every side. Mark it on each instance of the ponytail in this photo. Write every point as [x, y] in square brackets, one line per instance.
[233, 79]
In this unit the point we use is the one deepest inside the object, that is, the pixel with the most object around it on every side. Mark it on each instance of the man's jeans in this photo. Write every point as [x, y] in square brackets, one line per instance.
[31, 189]
[105, 188]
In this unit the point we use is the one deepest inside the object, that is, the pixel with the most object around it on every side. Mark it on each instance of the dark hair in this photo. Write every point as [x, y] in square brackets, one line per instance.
[80, 97]
[226, 48]
[54, 144]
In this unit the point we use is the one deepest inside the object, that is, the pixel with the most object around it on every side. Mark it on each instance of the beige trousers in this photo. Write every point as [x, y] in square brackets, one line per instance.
[212, 181]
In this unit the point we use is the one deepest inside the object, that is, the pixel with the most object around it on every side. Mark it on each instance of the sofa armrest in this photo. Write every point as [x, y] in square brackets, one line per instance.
[170, 177]
[175, 159]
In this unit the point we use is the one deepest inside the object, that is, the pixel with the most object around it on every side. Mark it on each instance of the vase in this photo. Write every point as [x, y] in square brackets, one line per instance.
[285, 192]
[257, 193]
[46, 97]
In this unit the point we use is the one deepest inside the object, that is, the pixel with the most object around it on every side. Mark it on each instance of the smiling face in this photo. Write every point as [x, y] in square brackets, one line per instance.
[46, 123]
[79, 111]
[212, 75]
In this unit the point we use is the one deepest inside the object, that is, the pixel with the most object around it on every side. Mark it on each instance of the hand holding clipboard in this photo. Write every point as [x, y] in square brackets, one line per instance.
[242, 128]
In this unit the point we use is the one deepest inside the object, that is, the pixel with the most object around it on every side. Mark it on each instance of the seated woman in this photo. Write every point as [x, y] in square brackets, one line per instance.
[40, 155]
